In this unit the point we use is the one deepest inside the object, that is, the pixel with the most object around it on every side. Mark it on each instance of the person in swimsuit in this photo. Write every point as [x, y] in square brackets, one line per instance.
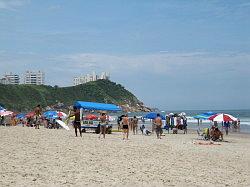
[77, 121]
[135, 125]
[38, 114]
[158, 125]
[125, 126]
[103, 123]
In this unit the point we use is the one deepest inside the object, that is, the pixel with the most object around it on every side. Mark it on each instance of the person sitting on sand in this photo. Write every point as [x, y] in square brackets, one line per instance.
[103, 123]
[158, 125]
[125, 126]
[77, 121]
[144, 130]
[217, 135]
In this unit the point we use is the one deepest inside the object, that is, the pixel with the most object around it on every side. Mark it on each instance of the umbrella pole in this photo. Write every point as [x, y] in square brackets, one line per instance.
[198, 124]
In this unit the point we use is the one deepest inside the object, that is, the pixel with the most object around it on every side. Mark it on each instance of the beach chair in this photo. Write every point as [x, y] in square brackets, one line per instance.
[200, 135]
[203, 135]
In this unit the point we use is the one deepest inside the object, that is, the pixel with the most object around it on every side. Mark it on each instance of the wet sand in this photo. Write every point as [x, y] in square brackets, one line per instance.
[48, 157]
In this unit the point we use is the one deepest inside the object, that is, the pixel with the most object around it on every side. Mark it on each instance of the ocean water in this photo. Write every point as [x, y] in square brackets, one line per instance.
[243, 115]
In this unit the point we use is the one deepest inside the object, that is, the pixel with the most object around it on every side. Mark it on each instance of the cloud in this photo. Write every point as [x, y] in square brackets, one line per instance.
[11, 4]
[156, 63]
[167, 65]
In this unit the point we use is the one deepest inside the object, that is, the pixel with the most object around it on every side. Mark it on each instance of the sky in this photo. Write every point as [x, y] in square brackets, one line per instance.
[172, 54]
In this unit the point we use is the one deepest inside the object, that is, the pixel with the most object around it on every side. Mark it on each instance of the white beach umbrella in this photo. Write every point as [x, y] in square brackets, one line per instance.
[182, 114]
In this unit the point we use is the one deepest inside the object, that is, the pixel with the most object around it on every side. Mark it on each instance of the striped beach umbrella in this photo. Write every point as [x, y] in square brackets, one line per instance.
[222, 117]
[5, 113]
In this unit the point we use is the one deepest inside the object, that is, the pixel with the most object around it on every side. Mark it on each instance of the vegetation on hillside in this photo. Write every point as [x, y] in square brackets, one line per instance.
[26, 97]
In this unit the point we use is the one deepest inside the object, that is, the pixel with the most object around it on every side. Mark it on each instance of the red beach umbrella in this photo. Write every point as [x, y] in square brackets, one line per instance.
[30, 114]
[91, 117]
[222, 117]
[61, 114]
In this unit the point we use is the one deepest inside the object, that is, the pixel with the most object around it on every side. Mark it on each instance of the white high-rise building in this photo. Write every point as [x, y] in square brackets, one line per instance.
[89, 78]
[36, 78]
[4, 81]
[10, 78]
[104, 75]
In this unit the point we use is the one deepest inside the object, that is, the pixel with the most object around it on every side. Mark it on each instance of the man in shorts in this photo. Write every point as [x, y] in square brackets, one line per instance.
[125, 126]
[158, 126]
[77, 121]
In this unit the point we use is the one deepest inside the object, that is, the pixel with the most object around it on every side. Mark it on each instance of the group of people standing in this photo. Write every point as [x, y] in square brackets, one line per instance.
[127, 124]
[175, 122]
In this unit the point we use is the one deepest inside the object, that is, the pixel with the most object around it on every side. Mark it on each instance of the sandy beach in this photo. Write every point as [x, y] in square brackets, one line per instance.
[45, 157]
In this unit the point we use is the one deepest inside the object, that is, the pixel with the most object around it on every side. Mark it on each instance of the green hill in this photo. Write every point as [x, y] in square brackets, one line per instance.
[26, 97]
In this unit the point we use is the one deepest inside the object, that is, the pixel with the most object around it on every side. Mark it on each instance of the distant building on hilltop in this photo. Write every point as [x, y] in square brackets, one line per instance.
[91, 77]
[10, 78]
[36, 78]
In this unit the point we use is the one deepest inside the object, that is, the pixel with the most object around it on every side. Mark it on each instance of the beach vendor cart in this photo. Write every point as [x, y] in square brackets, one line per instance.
[94, 125]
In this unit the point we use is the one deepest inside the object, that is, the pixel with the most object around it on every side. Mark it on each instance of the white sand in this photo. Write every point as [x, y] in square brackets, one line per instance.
[44, 157]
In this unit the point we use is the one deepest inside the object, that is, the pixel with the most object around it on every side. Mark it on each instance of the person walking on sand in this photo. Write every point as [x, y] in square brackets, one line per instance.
[38, 114]
[226, 126]
[77, 121]
[135, 125]
[103, 123]
[158, 126]
[125, 126]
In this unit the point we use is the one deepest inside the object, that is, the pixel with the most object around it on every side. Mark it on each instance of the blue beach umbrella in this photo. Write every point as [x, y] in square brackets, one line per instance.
[1, 108]
[20, 116]
[153, 115]
[50, 114]
[204, 116]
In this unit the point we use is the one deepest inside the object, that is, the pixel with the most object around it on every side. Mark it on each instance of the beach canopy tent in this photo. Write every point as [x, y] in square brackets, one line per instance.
[96, 106]
[205, 115]
[222, 118]
[153, 115]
